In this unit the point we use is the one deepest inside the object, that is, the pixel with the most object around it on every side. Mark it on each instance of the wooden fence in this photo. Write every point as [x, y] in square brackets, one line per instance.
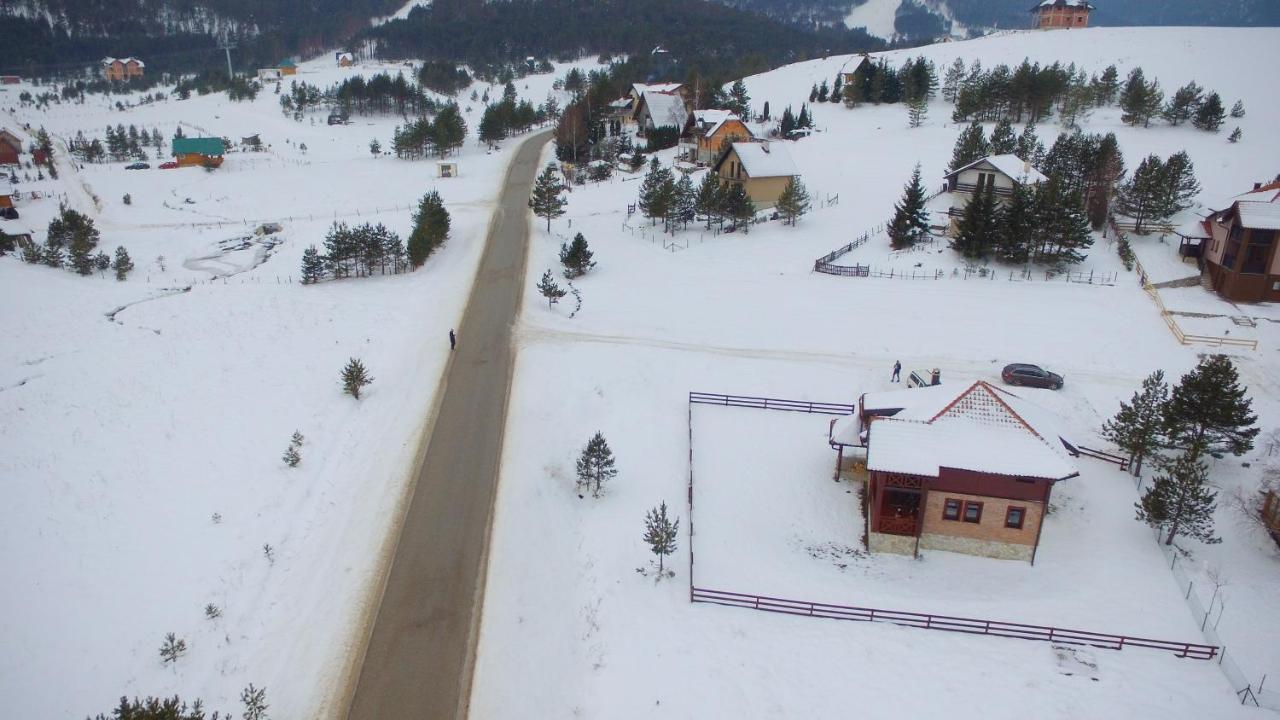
[761, 403]
[949, 623]
[1103, 455]
[1172, 324]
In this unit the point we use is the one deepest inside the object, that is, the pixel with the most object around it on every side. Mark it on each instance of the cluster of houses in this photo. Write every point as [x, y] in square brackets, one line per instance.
[120, 69]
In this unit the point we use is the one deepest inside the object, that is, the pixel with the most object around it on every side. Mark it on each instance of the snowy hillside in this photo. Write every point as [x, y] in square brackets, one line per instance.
[144, 421]
[662, 315]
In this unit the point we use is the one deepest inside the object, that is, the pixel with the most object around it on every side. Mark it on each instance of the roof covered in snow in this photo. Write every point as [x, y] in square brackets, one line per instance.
[639, 89]
[1012, 166]
[1063, 3]
[1259, 215]
[709, 122]
[983, 429]
[765, 159]
[665, 109]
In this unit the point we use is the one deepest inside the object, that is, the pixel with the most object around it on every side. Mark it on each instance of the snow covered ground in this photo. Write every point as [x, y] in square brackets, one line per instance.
[876, 16]
[142, 446]
[743, 313]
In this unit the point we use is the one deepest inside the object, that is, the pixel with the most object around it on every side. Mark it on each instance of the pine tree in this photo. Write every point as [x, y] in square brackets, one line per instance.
[375, 147]
[1183, 104]
[101, 261]
[122, 264]
[172, 648]
[951, 80]
[291, 456]
[910, 221]
[1072, 231]
[804, 119]
[794, 201]
[971, 145]
[1237, 110]
[1105, 170]
[152, 708]
[656, 191]
[813, 93]
[255, 703]
[354, 378]
[1003, 139]
[1029, 147]
[684, 199]
[1210, 115]
[1181, 501]
[788, 122]
[1235, 135]
[1139, 196]
[596, 466]
[661, 533]
[978, 231]
[709, 198]
[1140, 100]
[74, 232]
[545, 200]
[738, 207]
[1108, 85]
[739, 101]
[492, 128]
[917, 110]
[823, 93]
[431, 225]
[550, 290]
[1178, 184]
[1017, 225]
[575, 257]
[312, 266]
[1209, 412]
[837, 88]
[1137, 428]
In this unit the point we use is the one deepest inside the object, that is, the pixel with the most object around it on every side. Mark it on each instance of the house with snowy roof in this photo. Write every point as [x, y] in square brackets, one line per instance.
[122, 68]
[1053, 14]
[1240, 249]
[997, 174]
[969, 471]
[763, 169]
[660, 109]
[705, 133]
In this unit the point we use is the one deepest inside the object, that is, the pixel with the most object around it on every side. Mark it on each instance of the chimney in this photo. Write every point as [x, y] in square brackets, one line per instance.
[765, 146]
[1257, 186]
[1026, 167]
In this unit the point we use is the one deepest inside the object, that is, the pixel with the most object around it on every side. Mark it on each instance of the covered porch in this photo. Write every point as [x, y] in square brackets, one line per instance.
[895, 512]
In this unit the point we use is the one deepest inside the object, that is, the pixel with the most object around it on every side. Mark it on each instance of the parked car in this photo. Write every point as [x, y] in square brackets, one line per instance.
[9, 213]
[1030, 376]
[137, 166]
[168, 165]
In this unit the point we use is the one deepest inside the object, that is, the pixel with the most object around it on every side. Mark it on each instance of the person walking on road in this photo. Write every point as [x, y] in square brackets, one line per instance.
[453, 340]
[897, 371]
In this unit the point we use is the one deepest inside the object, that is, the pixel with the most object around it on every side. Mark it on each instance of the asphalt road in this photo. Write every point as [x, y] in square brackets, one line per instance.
[421, 652]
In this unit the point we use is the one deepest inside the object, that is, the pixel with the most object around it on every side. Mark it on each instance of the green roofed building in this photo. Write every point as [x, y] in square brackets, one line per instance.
[198, 151]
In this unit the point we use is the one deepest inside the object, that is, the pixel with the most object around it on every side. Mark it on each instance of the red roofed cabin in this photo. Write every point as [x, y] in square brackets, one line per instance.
[1068, 14]
[967, 472]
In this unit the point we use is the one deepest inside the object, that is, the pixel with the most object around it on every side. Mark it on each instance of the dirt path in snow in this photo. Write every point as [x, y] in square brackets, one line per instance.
[421, 650]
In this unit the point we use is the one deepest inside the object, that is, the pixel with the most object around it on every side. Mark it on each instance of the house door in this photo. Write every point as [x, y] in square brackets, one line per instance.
[899, 512]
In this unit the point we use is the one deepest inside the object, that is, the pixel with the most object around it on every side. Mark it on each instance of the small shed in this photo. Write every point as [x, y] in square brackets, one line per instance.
[269, 74]
[344, 59]
[198, 151]
[10, 79]
[447, 169]
[288, 67]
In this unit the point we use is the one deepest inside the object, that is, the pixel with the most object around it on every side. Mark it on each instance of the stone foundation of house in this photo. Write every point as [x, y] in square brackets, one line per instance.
[972, 546]
[896, 544]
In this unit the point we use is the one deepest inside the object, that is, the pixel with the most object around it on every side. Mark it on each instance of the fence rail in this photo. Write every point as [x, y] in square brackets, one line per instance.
[1181, 337]
[1104, 456]
[761, 403]
[948, 623]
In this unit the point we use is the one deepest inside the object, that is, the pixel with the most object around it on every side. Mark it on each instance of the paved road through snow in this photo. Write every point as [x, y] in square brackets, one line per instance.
[421, 652]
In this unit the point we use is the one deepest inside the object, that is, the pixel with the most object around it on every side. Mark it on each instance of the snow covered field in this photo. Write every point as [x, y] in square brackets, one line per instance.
[743, 313]
[142, 449]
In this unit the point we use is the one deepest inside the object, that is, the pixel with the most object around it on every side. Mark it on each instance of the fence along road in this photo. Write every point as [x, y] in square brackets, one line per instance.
[421, 651]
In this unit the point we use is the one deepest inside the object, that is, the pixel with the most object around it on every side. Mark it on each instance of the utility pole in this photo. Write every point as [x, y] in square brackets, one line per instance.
[227, 44]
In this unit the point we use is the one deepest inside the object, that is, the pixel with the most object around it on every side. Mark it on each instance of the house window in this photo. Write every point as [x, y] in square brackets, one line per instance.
[1258, 252]
[1234, 240]
[1014, 516]
[972, 512]
[951, 509]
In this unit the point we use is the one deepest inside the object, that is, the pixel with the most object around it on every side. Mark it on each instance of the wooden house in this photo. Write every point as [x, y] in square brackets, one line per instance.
[269, 74]
[853, 76]
[345, 59]
[706, 131]
[120, 69]
[198, 151]
[969, 472]
[134, 68]
[288, 67]
[1241, 254]
[763, 169]
[995, 173]
[10, 79]
[1055, 14]
[10, 148]
[6, 200]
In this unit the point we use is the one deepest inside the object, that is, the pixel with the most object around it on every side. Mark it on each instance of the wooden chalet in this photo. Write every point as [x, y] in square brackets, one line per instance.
[10, 148]
[660, 109]
[853, 76]
[763, 169]
[198, 151]
[1059, 14]
[344, 59]
[119, 69]
[995, 173]
[1241, 253]
[6, 200]
[287, 67]
[706, 131]
[969, 472]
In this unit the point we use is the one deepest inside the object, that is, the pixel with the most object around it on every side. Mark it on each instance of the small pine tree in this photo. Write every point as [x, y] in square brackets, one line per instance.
[312, 266]
[1235, 135]
[123, 264]
[172, 648]
[794, 201]
[1183, 104]
[737, 206]
[709, 198]
[1180, 501]
[910, 222]
[1210, 115]
[656, 191]
[970, 145]
[1237, 110]
[375, 147]
[596, 465]
[917, 110]
[255, 703]
[213, 612]
[354, 378]
[101, 261]
[977, 233]
[661, 533]
[575, 257]
[127, 199]
[1137, 428]
[1004, 141]
[431, 225]
[550, 290]
[291, 456]
[297, 439]
[1209, 412]
[545, 199]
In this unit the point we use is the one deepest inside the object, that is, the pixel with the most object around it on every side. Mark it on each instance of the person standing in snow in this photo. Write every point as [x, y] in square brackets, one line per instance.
[897, 371]
[453, 340]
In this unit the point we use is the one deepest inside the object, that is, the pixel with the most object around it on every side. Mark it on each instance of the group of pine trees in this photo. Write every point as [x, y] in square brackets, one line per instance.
[916, 81]
[377, 94]
[664, 198]
[121, 144]
[1208, 414]
[72, 242]
[355, 252]
[1046, 224]
[302, 96]
[1142, 100]
[507, 116]
[1158, 189]
[427, 136]
[791, 122]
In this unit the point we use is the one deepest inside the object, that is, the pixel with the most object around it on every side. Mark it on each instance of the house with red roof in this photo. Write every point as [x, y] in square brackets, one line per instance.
[969, 471]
